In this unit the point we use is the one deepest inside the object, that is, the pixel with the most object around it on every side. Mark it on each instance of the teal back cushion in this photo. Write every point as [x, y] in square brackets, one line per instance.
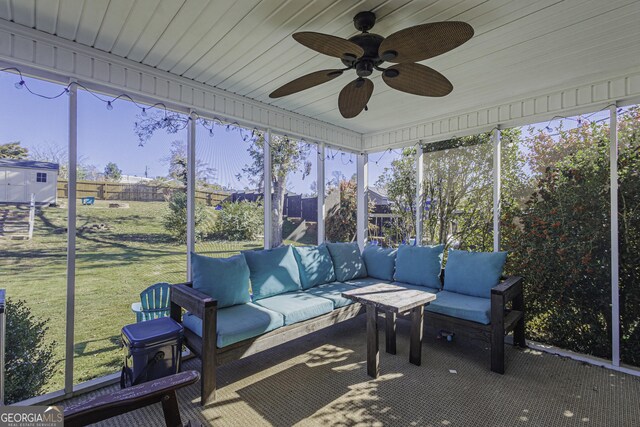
[473, 273]
[347, 261]
[380, 262]
[225, 279]
[316, 267]
[419, 265]
[273, 272]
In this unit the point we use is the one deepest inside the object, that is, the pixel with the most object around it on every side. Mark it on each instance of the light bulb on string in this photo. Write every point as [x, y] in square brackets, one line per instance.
[144, 112]
[228, 128]
[211, 132]
[109, 106]
[19, 84]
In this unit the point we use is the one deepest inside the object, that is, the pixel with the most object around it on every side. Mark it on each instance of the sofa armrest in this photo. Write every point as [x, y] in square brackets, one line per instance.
[508, 288]
[192, 300]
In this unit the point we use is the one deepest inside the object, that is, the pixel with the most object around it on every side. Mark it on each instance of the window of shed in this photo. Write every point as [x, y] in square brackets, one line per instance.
[41, 177]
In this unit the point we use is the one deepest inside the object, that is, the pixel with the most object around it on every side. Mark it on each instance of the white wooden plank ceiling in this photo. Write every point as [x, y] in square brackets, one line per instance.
[245, 46]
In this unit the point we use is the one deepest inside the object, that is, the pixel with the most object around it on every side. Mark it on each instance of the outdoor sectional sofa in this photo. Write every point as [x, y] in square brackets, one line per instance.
[296, 291]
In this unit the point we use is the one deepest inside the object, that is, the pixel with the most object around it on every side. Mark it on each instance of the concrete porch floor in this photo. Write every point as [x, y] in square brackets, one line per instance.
[321, 380]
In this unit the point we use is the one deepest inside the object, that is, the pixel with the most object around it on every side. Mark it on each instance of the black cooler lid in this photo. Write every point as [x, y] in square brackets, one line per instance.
[154, 331]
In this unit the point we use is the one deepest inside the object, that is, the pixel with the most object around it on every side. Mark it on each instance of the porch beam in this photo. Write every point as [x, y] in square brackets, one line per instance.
[419, 195]
[267, 189]
[191, 190]
[71, 235]
[496, 188]
[615, 254]
[362, 191]
[320, 186]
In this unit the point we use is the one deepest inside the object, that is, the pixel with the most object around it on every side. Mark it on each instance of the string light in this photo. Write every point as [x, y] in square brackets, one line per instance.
[109, 106]
[19, 84]
[144, 112]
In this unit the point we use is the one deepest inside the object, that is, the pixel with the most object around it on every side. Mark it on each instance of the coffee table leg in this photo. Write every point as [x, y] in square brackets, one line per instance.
[390, 335]
[373, 356]
[415, 351]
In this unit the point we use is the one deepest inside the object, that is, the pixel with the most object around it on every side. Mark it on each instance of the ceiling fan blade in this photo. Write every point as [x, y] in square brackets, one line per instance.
[305, 82]
[424, 41]
[329, 45]
[354, 96]
[417, 79]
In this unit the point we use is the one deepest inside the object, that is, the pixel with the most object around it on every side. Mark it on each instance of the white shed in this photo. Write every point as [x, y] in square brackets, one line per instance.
[21, 178]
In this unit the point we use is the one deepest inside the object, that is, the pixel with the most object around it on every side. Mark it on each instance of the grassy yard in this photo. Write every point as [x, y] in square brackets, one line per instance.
[120, 251]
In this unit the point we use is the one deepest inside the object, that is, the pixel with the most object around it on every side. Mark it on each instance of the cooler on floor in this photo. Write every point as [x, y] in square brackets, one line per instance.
[152, 349]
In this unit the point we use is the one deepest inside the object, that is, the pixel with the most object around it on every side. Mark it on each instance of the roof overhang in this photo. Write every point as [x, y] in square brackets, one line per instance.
[528, 62]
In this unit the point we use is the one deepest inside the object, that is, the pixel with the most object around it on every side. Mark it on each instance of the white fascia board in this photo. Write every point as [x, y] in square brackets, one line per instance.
[588, 97]
[53, 58]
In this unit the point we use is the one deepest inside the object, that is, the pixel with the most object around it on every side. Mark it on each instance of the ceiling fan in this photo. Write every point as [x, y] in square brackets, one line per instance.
[367, 51]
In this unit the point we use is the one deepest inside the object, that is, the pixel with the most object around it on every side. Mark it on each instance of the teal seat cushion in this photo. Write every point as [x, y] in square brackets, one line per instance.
[365, 281]
[238, 323]
[380, 262]
[347, 261]
[461, 306]
[297, 306]
[333, 291]
[315, 265]
[473, 273]
[417, 287]
[225, 279]
[419, 265]
[273, 272]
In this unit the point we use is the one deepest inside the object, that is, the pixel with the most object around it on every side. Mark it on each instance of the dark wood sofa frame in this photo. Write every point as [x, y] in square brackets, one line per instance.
[507, 314]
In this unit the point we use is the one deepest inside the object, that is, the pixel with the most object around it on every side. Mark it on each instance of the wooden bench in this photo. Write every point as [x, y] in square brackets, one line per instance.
[507, 315]
[120, 402]
[204, 307]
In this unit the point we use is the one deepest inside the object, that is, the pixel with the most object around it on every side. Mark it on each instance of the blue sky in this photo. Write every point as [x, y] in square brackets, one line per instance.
[107, 136]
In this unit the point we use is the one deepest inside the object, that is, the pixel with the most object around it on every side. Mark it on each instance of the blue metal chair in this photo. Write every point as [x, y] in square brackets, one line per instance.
[154, 303]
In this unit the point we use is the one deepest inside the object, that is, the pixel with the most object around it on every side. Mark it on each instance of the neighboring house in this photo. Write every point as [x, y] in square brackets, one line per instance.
[380, 200]
[21, 178]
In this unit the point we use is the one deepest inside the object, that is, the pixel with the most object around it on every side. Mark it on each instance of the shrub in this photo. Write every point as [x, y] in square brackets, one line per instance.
[29, 363]
[239, 221]
[175, 219]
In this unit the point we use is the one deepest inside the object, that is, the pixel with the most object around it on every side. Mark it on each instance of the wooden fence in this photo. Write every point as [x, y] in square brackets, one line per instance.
[139, 192]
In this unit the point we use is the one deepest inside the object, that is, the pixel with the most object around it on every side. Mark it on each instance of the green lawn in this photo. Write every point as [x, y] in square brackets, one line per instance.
[114, 263]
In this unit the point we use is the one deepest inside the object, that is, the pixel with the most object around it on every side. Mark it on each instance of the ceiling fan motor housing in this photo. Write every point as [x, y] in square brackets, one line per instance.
[370, 43]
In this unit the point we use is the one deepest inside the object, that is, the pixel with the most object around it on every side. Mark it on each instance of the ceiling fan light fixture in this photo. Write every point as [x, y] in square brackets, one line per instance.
[389, 55]
[349, 57]
[391, 73]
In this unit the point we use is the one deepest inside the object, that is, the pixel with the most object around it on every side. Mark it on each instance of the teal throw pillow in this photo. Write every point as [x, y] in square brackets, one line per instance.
[273, 271]
[473, 273]
[316, 267]
[419, 265]
[225, 279]
[380, 262]
[347, 261]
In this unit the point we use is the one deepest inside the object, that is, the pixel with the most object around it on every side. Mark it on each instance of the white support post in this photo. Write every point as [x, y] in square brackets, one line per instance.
[419, 194]
[191, 190]
[615, 254]
[362, 200]
[496, 189]
[71, 236]
[267, 190]
[320, 185]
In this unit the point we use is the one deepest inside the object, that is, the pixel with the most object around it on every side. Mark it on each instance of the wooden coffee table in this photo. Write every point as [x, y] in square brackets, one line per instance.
[393, 300]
